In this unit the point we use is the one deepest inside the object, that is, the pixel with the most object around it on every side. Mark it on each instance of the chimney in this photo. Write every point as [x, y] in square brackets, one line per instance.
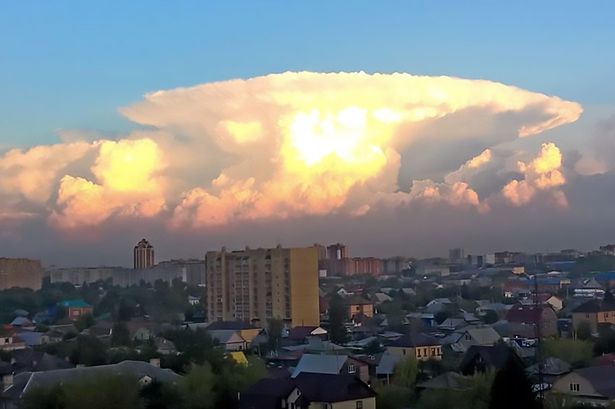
[7, 380]
[155, 362]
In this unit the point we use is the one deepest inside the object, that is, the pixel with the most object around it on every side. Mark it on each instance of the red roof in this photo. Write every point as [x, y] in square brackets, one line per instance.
[528, 314]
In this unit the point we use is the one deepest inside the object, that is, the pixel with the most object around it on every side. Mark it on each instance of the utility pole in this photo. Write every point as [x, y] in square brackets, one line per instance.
[538, 342]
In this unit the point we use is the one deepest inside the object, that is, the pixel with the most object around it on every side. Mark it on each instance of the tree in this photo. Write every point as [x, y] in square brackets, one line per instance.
[576, 352]
[393, 397]
[608, 297]
[157, 395]
[88, 350]
[274, 331]
[103, 392]
[44, 398]
[405, 372]
[511, 388]
[476, 395]
[490, 317]
[120, 335]
[584, 331]
[196, 388]
[337, 318]
[85, 321]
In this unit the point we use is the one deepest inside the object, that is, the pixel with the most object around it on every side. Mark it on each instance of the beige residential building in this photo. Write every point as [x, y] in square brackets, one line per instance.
[20, 272]
[255, 285]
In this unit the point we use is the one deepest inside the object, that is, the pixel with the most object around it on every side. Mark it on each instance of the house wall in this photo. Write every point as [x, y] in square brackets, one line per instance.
[591, 318]
[368, 403]
[586, 390]
[366, 310]
[420, 353]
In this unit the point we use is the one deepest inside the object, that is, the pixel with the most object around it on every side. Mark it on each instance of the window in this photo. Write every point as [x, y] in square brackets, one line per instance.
[351, 368]
[359, 404]
[575, 387]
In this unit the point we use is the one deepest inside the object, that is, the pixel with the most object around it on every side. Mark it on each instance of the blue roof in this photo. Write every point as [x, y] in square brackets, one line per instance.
[74, 304]
[605, 276]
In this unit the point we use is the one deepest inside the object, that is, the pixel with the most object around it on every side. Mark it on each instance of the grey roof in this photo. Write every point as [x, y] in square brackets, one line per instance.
[483, 335]
[601, 378]
[224, 336]
[322, 364]
[27, 381]
[21, 321]
[387, 363]
[551, 366]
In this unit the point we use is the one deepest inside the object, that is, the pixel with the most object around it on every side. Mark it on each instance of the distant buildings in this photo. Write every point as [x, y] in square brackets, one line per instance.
[259, 284]
[335, 260]
[143, 255]
[20, 272]
[456, 255]
[191, 271]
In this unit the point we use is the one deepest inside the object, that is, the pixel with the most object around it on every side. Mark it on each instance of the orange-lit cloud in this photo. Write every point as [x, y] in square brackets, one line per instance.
[281, 146]
[544, 172]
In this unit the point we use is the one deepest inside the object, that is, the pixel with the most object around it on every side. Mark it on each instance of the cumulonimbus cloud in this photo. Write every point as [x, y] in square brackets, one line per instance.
[276, 146]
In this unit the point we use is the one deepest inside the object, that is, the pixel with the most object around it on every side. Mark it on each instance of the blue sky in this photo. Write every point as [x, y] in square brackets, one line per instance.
[72, 64]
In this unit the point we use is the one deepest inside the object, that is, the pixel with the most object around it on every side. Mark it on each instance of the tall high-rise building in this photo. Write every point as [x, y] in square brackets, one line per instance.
[260, 284]
[143, 254]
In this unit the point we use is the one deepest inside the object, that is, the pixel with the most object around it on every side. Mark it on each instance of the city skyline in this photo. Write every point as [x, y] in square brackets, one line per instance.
[418, 138]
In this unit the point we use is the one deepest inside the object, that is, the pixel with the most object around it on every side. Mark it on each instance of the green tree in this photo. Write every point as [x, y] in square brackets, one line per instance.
[84, 322]
[490, 317]
[337, 319]
[88, 350]
[196, 388]
[584, 331]
[405, 372]
[120, 335]
[44, 398]
[393, 397]
[576, 352]
[511, 388]
[103, 392]
[274, 331]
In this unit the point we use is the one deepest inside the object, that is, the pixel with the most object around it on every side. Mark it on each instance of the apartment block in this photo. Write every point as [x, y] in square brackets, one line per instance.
[255, 285]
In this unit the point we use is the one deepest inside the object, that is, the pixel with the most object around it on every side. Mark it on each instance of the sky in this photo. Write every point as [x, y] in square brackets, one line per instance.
[119, 120]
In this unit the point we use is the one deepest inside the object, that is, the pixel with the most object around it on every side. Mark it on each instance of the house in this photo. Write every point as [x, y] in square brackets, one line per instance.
[438, 305]
[309, 390]
[76, 309]
[480, 359]
[595, 313]
[589, 288]
[229, 339]
[300, 333]
[592, 386]
[164, 346]
[9, 340]
[552, 369]
[331, 364]
[142, 330]
[386, 367]
[357, 306]
[22, 322]
[245, 330]
[524, 319]
[420, 346]
[29, 360]
[380, 298]
[483, 335]
[24, 382]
